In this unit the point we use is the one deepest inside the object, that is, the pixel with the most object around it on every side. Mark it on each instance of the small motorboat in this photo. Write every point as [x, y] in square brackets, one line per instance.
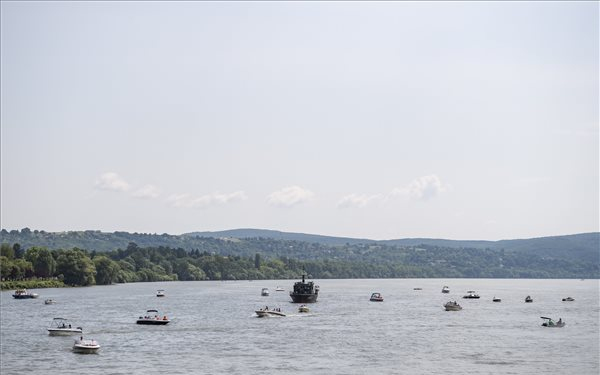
[496, 299]
[548, 322]
[528, 299]
[152, 317]
[85, 346]
[24, 294]
[160, 293]
[376, 297]
[303, 309]
[62, 327]
[279, 289]
[417, 288]
[49, 301]
[471, 295]
[568, 299]
[445, 289]
[264, 313]
[452, 306]
[264, 292]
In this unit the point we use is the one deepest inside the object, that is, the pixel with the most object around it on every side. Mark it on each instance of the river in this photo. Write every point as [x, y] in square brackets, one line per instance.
[214, 329]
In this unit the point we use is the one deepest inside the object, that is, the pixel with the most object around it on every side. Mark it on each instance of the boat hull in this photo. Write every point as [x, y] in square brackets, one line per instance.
[86, 349]
[304, 298]
[154, 322]
[453, 308]
[556, 325]
[266, 314]
[24, 296]
[63, 332]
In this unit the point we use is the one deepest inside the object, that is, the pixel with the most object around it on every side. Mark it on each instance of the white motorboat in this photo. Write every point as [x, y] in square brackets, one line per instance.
[49, 301]
[471, 295]
[568, 299]
[452, 306]
[376, 297]
[496, 299]
[303, 309]
[528, 299]
[264, 292]
[445, 289]
[62, 327]
[160, 293]
[279, 289]
[263, 313]
[85, 346]
[24, 294]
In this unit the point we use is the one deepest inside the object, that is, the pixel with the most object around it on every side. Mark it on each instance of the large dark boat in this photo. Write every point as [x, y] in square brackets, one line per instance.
[304, 292]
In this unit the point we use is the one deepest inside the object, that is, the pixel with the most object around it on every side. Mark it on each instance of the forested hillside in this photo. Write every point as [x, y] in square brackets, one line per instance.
[584, 247]
[146, 257]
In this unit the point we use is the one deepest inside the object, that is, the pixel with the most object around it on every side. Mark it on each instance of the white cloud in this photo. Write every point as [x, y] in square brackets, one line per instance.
[231, 197]
[289, 196]
[422, 188]
[357, 200]
[111, 181]
[204, 201]
[179, 200]
[147, 192]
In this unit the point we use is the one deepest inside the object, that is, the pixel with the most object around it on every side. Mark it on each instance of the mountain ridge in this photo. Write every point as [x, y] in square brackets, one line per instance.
[582, 246]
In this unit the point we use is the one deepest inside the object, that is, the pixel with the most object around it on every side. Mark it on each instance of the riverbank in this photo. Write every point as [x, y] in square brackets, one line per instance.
[31, 284]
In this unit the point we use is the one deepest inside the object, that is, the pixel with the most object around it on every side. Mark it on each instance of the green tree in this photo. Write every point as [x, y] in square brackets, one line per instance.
[6, 266]
[7, 251]
[257, 261]
[18, 251]
[107, 270]
[21, 269]
[76, 267]
[43, 263]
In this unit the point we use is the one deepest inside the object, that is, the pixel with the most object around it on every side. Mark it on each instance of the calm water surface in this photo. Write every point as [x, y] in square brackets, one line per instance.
[214, 329]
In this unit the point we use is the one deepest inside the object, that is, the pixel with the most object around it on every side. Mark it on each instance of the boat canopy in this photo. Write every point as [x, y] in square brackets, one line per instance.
[152, 311]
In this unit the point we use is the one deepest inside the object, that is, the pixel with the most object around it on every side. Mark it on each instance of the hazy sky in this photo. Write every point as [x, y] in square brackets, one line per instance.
[467, 120]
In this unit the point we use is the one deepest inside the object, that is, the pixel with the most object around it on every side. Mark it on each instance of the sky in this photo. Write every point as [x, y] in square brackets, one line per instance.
[380, 120]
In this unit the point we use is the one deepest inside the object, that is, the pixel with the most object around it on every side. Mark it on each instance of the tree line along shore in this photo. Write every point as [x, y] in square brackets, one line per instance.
[257, 259]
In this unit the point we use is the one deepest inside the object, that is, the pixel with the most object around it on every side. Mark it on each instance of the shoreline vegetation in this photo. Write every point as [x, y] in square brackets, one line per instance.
[31, 284]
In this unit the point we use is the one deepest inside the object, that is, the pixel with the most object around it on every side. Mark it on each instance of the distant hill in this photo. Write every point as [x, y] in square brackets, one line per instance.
[277, 235]
[583, 247]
